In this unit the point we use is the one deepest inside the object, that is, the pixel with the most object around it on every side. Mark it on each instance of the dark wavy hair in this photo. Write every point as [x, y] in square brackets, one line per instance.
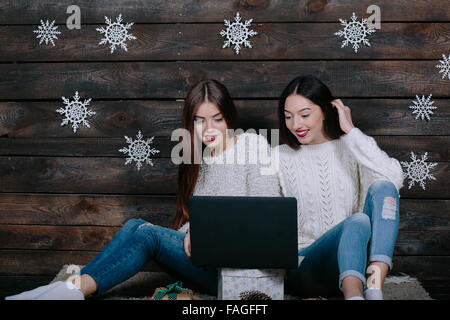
[315, 90]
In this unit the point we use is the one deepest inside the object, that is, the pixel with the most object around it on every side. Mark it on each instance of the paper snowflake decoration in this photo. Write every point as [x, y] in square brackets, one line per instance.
[354, 32]
[116, 33]
[422, 107]
[76, 112]
[139, 150]
[418, 170]
[47, 32]
[444, 66]
[237, 33]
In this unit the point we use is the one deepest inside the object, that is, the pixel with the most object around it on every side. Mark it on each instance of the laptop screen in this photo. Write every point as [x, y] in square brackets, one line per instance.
[244, 232]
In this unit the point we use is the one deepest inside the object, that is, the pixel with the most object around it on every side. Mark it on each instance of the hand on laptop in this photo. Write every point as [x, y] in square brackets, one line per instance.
[187, 244]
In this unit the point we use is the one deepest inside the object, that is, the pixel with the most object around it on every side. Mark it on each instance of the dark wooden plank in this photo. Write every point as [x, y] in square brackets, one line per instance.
[56, 238]
[112, 119]
[423, 267]
[423, 243]
[421, 214]
[78, 147]
[71, 175]
[92, 210]
[399, 147]
[115, 119]
[344, 78]
[89, 238]
[264, 79]
[29, 11]
[110, 175]
[203, 42]
[48, 262]
[36, 262]
[108, 81]
[397, 119]
[114, 210]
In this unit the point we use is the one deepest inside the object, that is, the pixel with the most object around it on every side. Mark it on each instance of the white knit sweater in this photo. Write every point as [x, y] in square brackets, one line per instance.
[237, 171]
[330, 180]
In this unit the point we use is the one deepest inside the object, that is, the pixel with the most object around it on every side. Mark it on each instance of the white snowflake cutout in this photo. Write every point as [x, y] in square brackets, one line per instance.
[444, 66]
[47, 32]
[76, 112]
[354, 32]
[422, 107]
[116, 33]
[139, 150]
[418, 170]
[237, 33]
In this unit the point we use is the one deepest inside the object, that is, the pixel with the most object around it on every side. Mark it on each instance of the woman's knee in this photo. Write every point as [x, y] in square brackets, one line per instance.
[131, 225]
[386, 192]
[359, 223]
[384, 186]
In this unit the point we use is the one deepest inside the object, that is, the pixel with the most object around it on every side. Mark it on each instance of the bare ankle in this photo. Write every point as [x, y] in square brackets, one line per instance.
[352, 287]
[88, 285]
[376, 273]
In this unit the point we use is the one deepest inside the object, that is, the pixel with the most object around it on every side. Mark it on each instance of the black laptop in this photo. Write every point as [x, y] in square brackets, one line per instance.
[244, 232]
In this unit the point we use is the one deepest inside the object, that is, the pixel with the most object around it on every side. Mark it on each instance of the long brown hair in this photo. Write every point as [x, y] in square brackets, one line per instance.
[315, 90]
[204, 91]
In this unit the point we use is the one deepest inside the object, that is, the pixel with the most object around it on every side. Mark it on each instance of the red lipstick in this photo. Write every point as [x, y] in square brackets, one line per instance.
[301, 133]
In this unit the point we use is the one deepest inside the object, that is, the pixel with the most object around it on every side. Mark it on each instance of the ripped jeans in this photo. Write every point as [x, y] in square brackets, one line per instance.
[342, 251]
[134, 245]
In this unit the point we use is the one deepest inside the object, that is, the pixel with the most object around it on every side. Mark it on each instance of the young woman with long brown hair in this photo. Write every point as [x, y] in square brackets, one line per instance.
[208, 112]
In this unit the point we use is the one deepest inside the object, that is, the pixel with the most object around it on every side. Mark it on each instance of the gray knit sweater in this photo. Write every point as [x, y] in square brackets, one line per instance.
[238, 171]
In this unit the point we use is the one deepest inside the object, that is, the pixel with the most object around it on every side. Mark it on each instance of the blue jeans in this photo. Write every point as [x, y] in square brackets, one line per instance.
[342, 251]
[138, 242]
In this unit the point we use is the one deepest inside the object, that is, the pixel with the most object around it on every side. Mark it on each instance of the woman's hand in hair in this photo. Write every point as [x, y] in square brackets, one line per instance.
[187, 244]
[345, 117]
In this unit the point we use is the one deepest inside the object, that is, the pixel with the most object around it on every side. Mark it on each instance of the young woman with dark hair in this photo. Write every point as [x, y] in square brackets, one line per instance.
[347, 192]
[208, 112]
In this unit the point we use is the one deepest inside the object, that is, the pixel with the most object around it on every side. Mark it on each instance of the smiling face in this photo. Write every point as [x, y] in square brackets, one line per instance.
[210, 124]
[304, 119]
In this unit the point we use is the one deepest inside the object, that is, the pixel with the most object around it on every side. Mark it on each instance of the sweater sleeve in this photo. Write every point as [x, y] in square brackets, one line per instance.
[261, 180]
[184, 228]
[373, 163]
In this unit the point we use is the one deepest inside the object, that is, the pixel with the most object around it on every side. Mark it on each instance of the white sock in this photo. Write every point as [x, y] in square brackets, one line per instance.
[62, 291]
[31, 294]
[373, 294]
[355, 298]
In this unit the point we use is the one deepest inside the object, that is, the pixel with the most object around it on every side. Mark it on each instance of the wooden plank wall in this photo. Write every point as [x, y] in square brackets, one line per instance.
[63, 195]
